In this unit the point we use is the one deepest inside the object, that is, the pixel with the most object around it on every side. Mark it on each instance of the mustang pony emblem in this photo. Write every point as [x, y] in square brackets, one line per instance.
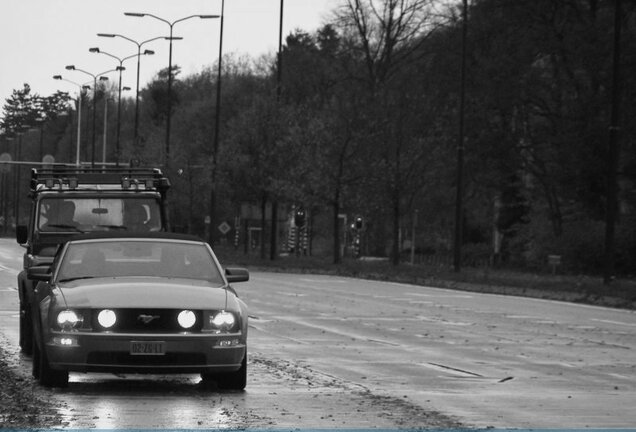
[146, 319]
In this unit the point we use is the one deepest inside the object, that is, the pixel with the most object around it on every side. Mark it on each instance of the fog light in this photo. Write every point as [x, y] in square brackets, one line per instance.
[228, 343]
[65, 341]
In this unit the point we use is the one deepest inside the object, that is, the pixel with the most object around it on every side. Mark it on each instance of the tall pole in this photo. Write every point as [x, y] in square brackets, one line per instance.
[171, 24]
[279, 80]
[169, 110]
[613, 153]
[459, 210]
[72, 67]
[218, 85]
[17, 179]
[279, 74]
[94, 119]
[139, 54]
[117, 148]
[136, 130]
[79, 116]
[79, 128]
[119, 68]
[104, 141]
[217, 127]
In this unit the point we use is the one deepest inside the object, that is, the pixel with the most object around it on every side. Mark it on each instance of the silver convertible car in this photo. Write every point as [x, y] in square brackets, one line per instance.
[149, 303]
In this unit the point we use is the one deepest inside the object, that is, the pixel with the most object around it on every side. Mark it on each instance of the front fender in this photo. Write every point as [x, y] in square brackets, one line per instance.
[25, 287]
[41, 328]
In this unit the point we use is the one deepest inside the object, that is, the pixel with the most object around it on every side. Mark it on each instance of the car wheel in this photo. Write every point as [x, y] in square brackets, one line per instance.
[35, 366]
[50, 377]
[234, 380]
[26, 330]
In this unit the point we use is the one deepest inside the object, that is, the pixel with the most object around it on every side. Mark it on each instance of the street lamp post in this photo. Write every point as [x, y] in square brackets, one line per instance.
[169, 108]
[102, 78]
[459, 198]
[106, 99]
[79, 114]
[139, 45]
[119, 68]
[215, 148]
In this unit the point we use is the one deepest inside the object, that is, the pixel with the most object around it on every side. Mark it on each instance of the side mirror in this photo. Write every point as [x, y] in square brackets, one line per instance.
[21, 234]
[237, 275]
[39, 273]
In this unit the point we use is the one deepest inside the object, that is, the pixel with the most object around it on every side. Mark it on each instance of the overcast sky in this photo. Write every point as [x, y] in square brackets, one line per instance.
[40, 37]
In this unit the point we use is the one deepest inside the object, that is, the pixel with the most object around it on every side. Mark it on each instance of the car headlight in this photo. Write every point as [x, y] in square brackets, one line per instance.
[67, 319]
[107, 318]
[223, 321]
[186, 319]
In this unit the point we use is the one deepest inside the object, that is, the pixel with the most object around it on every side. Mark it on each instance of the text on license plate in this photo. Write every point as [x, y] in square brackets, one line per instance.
[147, 348]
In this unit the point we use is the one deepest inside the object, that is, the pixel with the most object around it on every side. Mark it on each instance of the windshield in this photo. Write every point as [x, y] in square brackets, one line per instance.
[146, 258]
[84, 214]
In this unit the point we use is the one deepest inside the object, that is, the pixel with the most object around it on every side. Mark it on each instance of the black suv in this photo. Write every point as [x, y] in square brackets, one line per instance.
[67, 202]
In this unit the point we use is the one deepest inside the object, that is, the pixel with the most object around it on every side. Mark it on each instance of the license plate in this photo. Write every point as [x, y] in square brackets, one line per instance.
[147, 348]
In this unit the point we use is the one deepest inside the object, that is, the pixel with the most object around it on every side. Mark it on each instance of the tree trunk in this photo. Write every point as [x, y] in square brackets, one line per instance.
[395, 253]
[263, 223]
[337, 259]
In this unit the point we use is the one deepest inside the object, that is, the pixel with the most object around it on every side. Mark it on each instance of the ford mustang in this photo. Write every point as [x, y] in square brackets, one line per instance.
[144, 303]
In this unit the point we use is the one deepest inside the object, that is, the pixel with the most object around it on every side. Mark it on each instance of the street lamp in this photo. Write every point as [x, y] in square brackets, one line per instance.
[139, 45]
[105, 139]
[102, 78]
[119, 68]
[79, 114]
[171, 25]
[215, 145]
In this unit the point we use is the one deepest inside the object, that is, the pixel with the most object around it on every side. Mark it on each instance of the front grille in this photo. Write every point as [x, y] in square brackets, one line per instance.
[125, 359]
[150, 321]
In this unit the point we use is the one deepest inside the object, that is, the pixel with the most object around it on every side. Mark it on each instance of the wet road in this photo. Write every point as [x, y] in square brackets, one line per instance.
[331, 352]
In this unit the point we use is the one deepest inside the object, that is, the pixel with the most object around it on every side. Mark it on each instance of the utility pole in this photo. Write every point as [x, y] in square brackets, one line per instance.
[613, 153]
[217, 127]
[279, 76]
[459, 205]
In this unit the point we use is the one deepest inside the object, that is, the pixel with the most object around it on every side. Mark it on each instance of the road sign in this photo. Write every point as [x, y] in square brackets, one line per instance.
[48, 161]
[5, 167]
[225, 228]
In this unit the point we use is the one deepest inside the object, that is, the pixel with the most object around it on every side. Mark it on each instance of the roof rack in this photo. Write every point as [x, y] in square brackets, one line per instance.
[65, 178]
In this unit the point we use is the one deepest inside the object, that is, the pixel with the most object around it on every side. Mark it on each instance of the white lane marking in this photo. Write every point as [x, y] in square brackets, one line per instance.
[613, 322]
[323, 281]
[290, 294]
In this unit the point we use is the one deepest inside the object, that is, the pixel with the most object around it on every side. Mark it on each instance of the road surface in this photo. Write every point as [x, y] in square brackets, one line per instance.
[334, 352]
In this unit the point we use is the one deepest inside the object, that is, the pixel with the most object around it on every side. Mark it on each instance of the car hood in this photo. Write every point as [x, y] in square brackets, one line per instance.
[143, 293]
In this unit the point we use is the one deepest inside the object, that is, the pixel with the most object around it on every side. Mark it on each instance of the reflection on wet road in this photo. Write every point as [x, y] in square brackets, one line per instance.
[331, 352]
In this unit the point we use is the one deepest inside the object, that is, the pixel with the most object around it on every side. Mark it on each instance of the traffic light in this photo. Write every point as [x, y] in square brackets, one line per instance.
[300, 217]
[359, 223]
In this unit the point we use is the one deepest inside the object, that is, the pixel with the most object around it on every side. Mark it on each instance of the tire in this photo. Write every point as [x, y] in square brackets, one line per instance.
[26, 329]
[46, 376]
[35, 366]
[233, 380]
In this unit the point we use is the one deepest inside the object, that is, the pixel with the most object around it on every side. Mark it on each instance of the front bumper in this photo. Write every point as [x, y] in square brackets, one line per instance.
[108, 352]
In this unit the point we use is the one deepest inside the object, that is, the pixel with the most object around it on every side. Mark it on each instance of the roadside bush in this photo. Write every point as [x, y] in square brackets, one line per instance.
[581, 246]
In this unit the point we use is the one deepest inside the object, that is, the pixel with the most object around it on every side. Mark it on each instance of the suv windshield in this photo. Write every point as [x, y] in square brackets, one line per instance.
[83, 214]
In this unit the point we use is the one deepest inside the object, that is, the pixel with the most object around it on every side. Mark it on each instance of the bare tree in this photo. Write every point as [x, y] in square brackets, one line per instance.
[384, 38]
